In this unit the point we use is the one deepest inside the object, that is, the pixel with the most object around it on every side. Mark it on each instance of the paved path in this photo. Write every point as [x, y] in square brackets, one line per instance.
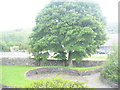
[91, 80]
[94, 81]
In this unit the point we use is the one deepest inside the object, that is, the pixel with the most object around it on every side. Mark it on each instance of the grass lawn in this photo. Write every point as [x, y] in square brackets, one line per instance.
[98, 57]
[14, 75]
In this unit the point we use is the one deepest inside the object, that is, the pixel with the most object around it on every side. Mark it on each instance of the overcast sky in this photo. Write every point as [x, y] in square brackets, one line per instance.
[20, 14]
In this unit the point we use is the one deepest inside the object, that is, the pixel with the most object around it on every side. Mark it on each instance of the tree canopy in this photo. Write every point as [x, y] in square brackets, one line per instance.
[69, 28]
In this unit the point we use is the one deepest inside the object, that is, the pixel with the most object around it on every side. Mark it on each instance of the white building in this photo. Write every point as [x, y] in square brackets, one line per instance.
[14, 49]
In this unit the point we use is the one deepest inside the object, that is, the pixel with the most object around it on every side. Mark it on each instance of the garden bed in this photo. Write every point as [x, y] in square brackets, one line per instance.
[48, 70]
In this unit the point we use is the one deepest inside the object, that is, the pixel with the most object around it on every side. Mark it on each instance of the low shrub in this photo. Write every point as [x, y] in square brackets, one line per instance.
[111, 69]
[56, 82]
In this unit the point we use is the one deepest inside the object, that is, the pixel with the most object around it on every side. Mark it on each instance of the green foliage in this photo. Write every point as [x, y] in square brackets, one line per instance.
[3, 46]
[11, 43]
[111, 68]
[15, 38]
[56, 82]
[17, 35]
[76, 28]
[24, 45]
[44, 56]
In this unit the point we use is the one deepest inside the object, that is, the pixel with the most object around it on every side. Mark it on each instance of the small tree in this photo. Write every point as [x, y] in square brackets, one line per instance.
[3, 46]
[72, 28]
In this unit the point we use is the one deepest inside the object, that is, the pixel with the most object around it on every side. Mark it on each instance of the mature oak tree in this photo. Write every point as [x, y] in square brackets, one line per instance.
[73, 30]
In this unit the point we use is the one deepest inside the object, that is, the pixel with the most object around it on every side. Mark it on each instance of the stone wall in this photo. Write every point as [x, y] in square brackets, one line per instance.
[53, 63]
[17, 61]
[87, 63]
[30, 62]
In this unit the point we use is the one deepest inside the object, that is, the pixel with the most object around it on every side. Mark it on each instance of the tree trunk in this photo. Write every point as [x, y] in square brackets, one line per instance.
[70, 63]
[40, 62]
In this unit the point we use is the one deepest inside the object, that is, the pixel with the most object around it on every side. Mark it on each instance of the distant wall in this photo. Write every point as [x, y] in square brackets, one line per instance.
[17, 61]
[30, 62]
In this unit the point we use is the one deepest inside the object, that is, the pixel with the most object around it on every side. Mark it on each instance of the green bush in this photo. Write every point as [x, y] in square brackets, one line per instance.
[56, 82]
[111, 69]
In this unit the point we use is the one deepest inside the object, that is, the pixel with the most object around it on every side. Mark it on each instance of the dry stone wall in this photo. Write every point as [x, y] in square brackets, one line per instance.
[17, 61]
[30, 62]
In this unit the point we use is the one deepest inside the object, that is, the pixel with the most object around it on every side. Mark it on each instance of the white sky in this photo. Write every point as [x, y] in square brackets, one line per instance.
[20, 14]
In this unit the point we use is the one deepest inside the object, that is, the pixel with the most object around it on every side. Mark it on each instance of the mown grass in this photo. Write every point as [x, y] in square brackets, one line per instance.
[15, 75]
